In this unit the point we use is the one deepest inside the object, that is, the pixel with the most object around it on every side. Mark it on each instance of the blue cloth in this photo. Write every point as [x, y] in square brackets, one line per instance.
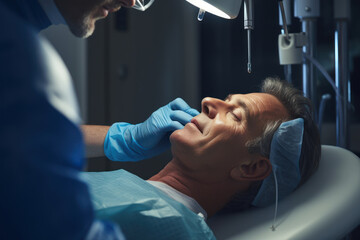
[284, 157]
[142, 210]
[30, 12]
[41, 146]
[127, 142]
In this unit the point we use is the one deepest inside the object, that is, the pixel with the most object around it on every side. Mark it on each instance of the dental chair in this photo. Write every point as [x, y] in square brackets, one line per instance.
[327, 206]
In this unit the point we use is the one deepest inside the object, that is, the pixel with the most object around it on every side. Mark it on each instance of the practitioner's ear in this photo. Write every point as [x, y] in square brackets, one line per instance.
[254, 170]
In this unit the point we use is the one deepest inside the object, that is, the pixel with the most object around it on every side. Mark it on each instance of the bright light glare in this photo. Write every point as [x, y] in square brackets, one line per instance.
[208, 8]
[142, 5]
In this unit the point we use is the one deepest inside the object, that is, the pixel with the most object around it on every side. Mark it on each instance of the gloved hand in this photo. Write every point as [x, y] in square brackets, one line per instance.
[127, 142]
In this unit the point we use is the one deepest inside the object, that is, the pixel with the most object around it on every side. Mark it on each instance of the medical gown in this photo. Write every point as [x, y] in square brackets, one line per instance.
[143, 211]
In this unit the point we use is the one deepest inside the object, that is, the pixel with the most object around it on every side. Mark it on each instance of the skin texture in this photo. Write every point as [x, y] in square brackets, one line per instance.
[210, 160]
[94, 136]
[81, 15]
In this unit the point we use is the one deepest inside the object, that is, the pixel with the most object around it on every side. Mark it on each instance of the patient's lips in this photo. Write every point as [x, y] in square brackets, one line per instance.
[194, 121]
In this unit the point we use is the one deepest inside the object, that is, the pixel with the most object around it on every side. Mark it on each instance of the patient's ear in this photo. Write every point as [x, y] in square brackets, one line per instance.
[254, 170]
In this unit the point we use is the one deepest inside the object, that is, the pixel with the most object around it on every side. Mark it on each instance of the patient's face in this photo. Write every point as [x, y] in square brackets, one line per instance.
[215, 139]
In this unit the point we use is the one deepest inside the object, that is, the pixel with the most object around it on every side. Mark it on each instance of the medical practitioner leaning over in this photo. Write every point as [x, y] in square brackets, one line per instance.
[222, 161]
[41, 145]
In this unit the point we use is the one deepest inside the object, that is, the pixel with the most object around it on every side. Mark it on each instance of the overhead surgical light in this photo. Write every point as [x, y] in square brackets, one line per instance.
[223, 8]
[229, 9]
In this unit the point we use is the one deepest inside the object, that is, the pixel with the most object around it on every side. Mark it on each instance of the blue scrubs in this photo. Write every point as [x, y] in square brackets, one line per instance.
[41, 148]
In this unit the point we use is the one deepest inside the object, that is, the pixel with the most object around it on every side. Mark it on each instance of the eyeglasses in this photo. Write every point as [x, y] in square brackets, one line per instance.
[142, 5]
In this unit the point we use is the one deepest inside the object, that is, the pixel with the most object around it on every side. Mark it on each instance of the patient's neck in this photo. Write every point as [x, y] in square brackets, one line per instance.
[211, 195]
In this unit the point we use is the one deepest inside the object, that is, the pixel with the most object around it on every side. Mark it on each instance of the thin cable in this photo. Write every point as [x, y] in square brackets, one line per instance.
[283, 16]
[288, 73]
[276, 201]
[249, 51]
[324, 73]
[330, 80]
[324, 99]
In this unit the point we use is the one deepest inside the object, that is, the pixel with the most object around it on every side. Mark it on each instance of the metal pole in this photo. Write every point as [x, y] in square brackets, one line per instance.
[309, 84]
[342, 16]
[287, 11]
[308, 11]
[249, 26]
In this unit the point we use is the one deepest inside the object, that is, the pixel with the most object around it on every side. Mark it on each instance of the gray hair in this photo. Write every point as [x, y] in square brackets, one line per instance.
[298, 106]
[261, 144]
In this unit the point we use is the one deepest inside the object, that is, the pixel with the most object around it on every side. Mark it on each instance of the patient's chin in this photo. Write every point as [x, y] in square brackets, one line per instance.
[176, 136]
[181, 141]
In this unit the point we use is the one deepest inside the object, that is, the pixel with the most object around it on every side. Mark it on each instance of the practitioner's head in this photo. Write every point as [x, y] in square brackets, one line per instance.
[81, 15]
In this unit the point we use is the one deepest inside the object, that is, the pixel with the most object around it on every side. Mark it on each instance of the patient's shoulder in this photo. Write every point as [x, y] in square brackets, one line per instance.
[141, 210]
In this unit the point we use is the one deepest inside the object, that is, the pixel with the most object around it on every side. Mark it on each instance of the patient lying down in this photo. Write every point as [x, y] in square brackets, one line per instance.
[224, 160]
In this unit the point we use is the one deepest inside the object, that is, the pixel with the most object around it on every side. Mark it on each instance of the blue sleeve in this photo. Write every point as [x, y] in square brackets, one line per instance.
[41, 149]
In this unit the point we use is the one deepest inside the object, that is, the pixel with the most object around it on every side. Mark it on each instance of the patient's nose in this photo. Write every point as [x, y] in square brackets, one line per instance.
[211, 106]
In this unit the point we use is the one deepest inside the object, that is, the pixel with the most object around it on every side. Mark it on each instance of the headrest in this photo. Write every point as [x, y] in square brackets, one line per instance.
[284, 157]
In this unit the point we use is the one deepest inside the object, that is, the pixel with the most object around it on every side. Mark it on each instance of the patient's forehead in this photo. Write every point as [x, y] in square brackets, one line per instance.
[260, 104]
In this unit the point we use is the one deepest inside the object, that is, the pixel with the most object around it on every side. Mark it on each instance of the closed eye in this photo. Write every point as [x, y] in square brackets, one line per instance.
[236, 117]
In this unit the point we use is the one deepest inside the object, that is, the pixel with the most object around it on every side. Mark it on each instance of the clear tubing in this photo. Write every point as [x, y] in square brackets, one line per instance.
[309, 84]
[328, 78]
[323, 72]
[324, 99]
[282, 11]
[341, 81]
[273, 227]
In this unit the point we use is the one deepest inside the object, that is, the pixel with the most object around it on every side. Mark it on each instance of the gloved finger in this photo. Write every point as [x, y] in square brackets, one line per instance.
[180, 116]
[173, 126]
[179, 104]
[193, 112]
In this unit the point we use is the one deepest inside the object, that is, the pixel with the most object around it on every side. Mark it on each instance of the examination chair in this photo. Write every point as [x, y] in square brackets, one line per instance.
[325, 207]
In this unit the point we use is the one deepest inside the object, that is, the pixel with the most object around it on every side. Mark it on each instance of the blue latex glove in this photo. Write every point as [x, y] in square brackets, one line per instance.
[127, 142]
